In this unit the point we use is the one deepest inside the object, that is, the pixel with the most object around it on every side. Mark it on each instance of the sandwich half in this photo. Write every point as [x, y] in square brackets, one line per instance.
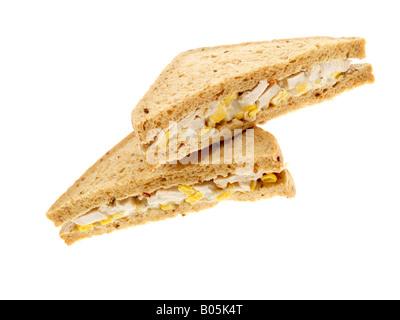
[118, 191]
[205, 90]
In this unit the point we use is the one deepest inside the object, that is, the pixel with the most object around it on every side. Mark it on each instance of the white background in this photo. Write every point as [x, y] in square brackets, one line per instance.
[70, 74]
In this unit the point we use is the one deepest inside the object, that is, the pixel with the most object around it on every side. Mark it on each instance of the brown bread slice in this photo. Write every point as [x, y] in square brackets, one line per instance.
[284, 187]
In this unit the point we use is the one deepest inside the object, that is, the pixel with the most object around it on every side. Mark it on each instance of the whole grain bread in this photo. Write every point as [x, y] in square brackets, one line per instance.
[121, 173]
[283, 187]
[198, 77]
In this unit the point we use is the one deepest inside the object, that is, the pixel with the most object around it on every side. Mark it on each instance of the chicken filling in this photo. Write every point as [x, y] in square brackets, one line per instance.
[246, 106]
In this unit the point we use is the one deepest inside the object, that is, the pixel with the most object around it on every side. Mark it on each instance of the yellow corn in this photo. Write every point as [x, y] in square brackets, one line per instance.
[301, 88]
[198, 195]
[253, 113]
[250, 108]
[186, 190]
[195, 197]
[191, 200]
[117, 216]
[253, 185]
[336, 75]
[164, 141]
[219, 115]
[279, 97]
[269, 178]
[223, 196]
[239, 115]
[166, 207]
[84, 228]
[106, 221]
[227, 102]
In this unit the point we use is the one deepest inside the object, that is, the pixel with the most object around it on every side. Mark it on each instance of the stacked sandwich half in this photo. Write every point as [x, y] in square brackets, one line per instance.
[195, 142]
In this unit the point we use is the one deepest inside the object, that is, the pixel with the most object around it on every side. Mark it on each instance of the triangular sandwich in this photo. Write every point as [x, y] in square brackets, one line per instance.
[119, 192]
[205, 90]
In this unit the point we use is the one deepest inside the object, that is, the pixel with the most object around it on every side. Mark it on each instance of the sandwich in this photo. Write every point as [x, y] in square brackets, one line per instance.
[118, 191]
[206, 90]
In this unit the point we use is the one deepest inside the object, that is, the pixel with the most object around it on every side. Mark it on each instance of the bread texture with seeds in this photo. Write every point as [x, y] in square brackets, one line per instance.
[197, 78]
[121, 173]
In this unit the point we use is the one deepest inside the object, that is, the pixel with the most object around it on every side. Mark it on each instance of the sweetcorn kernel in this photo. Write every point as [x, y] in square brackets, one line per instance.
[106, 221]
[195, 197]
[223, 196]
[250, 108]
[198, 195]
[84, 228]
[336, 75]
[253, 113]
[191, 200]
[166, 207]
[186, 190]
[219, 115]
[301, 88]
[279, 97]
[227, 102]
[117, 216]
[269, 178]
[239, 115]
[253, 185]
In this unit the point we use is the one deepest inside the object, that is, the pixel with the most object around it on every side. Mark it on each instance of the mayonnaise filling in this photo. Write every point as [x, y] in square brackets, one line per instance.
[246, 106]
[218, 189]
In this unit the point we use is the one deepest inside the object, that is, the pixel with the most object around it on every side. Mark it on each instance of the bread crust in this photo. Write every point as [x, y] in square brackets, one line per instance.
[198, 77]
